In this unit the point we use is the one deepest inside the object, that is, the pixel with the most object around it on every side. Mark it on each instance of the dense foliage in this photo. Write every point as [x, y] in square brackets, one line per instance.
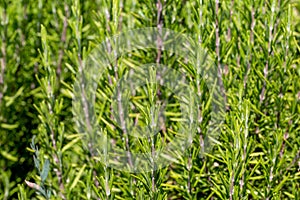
[255, 46]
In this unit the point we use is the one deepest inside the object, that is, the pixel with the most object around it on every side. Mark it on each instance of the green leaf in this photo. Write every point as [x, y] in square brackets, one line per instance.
[70, 144]
[77, 177]
[9, 156]
[45, 170]
[10, 126]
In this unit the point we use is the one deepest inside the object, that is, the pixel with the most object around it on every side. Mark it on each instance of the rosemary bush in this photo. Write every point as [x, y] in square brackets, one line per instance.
[48, 152]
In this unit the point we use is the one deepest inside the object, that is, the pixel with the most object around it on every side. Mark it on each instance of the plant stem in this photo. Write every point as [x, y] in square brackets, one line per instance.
[220, 79]
[230, 20]
[266, 69]
[249, 63]
[3, 59]
[63, 41]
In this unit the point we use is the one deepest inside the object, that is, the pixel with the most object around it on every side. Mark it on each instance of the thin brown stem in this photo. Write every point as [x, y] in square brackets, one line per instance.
[123, 124]
[252, 46]
[226, 69]
[230, 20]
[153, 170]
[278, 18]
[84, 98]
[63, 40]
[238, 58]
[189, 168]
[3, 58]
[270, 52]
[121, 16]
[288, 28]
[121, 113]
[220, 80]
[231, 187]
[3, 66]
[159, 44]
[159, 27]
[88, 122]
[218, 40]
[57, 161]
